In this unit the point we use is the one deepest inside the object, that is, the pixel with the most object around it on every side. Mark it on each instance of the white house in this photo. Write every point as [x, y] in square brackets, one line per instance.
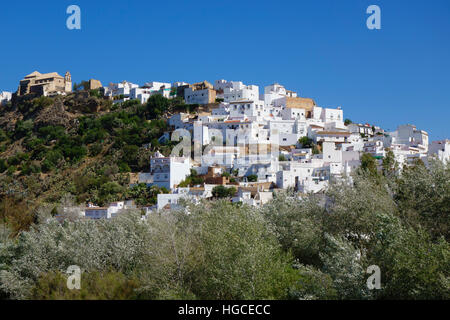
[288, 131]
[5, 96]
[233, 132]
[162, 88]
[200, 93]
[304, 176]
[168, 171]
[293, 114]
[274, 94]
[331, 136]
[194, 194]
[332, 115]
[170, 200]
[375, 148]
[237, 91]
[220, 85]
[179, 84]
[96, 213]
[441, 149]
[250, 109]
[121, 89]
[180, 121]
[93, 212]
[142, 94]
[362, 129]
[259, 198]
[156, 86]
[220, 155]
[409, 135]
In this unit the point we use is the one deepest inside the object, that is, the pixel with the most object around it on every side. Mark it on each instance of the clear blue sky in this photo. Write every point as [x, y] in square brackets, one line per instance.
[321, 49]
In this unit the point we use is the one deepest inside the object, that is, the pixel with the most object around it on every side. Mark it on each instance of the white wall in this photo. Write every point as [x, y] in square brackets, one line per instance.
[238, 91]
[331, 153]
[441, 149]
[5, 97]
[293, 113]
[169, 171]
[332, 115]
[180, 168]
[196, 96]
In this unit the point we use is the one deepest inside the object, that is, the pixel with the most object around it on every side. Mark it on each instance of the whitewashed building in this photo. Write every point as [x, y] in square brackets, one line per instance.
[362, 129]
[167, 172]
[409, 135]
[200, 93]
[237, 91]
[114, 208]
[119, 92]
[5, 96]
[252, 134]
[441, 149]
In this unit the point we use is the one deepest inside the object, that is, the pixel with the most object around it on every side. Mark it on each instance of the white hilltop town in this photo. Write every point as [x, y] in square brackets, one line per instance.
[257, 142]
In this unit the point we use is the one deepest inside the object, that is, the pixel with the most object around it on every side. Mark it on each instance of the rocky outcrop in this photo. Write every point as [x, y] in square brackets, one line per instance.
[55, 115]
[82, 102]
[8, 120]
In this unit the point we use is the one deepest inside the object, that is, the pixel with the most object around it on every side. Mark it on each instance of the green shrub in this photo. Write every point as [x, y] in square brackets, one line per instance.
[50, 133]
[3, 165]
[47, 165]
[223, 192]
[11, 170]
[124, 167]
[94, 286]
[306, 142]
[95, 149]
[24, 128]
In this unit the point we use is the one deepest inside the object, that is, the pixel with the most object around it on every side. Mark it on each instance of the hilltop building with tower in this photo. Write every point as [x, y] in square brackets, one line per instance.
[45, 84]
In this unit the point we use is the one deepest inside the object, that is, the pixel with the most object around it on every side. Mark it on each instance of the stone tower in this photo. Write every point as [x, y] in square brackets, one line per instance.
[68, 82]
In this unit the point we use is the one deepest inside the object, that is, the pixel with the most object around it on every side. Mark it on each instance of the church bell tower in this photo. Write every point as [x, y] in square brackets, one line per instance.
[68, 82]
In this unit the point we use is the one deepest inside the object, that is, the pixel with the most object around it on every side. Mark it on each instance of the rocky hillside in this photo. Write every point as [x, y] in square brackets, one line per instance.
[80, 144]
